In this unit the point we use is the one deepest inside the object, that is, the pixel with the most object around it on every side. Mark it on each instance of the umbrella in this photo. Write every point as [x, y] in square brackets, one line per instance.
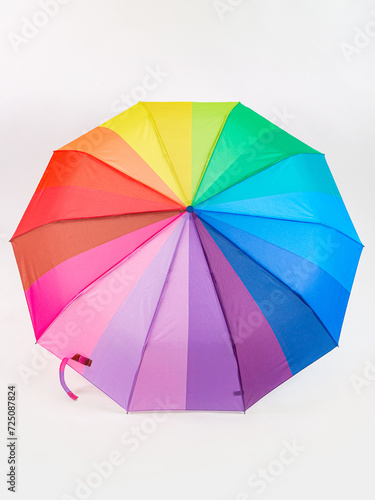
[187, 256]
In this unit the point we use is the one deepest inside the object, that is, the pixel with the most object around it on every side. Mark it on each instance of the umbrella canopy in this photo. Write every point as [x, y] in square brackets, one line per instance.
[187, 256]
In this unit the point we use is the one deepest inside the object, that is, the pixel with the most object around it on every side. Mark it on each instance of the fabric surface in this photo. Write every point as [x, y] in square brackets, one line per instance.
[198, 255]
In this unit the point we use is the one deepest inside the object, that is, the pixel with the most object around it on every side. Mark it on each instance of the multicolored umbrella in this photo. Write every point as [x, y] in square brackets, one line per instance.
[187, 256]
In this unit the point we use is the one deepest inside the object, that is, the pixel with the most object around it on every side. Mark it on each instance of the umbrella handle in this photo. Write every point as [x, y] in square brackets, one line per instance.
[75, 357]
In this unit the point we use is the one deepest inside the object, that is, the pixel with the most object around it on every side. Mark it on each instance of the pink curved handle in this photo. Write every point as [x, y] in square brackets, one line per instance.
[79, 359]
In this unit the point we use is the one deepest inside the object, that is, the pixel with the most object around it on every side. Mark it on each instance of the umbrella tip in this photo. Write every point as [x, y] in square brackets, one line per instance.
[189, 209]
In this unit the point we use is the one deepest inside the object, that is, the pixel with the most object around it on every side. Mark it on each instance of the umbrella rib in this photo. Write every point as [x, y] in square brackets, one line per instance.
[299, 221]
[224, 316]
[107, 271]
[153, 319]
[212, 150]
[285, 249]
[284, 157]
[124, 174]
[278, 279]
[164, 149]
[93, 217]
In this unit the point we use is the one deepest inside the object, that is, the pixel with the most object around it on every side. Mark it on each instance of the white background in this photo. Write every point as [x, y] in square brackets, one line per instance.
[277, 57]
